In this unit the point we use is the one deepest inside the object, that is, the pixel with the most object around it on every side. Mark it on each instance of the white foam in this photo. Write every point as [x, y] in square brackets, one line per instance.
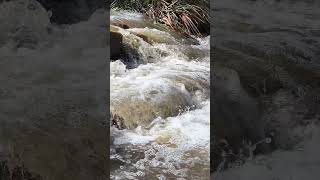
[181, 134]
[161, 76]
[301, 163]
[125, 15]
[190, 129]
[167, 141]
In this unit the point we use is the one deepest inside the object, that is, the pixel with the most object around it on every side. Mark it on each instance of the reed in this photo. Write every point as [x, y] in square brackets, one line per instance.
[189, 17]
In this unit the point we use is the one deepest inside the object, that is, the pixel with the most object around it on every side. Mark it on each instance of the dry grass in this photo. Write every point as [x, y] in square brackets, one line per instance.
[183, 16]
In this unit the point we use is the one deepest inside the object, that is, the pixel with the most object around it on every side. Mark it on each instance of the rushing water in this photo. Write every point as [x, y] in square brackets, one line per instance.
[173, 147]
[52, 95]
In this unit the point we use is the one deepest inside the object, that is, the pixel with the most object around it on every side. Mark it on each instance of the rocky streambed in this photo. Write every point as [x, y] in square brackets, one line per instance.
[160, 104]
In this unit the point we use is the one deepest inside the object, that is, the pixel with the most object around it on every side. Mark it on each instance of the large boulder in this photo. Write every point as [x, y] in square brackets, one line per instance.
[127, 23]
[130, 113]
[153, 35]
[71, 11]
[115, 44]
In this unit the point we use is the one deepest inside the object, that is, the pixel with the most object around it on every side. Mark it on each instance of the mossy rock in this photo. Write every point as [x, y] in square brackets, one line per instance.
[132, 113]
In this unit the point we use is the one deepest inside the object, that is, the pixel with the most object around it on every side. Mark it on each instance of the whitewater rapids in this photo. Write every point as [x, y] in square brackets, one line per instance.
[177, 146]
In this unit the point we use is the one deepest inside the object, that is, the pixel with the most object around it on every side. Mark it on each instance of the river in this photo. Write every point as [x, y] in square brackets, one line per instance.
[170, 73]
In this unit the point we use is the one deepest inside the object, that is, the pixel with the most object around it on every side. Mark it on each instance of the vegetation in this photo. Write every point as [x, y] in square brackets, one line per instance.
[189, 17]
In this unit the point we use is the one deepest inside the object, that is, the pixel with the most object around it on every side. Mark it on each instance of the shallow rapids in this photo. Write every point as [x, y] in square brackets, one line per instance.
[164, 99]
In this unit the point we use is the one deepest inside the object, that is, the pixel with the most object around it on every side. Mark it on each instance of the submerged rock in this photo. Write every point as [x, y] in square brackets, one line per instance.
[71, 11]
[126, 23]
[130, 113]
[153, 35]
[115, 44]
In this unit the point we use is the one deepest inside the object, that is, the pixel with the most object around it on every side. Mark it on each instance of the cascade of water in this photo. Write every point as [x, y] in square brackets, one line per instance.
[164, 106]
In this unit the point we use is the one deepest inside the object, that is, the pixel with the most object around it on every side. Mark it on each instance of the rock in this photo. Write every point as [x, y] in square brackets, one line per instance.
[126, 23]
[130, 46]
[153, 35]
[130, 113]
[127, 20]
[115, 44]
[71, 11]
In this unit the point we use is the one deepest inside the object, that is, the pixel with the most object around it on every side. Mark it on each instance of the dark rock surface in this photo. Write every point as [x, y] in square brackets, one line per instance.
[71, 11]
[115, 44]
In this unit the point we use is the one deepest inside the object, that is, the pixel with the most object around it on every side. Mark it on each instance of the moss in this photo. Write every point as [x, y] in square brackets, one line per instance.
[134, 112]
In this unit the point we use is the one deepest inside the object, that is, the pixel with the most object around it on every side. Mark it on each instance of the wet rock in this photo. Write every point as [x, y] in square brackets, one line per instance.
[115, 44]
[127, 20]
[147, 30]
[131, 45]
[117, 122]
[131, 113]
[127, 24]
[71, 11]
[153, 36]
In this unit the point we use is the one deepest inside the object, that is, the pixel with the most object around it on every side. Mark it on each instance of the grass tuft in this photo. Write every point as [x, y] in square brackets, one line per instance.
[184, 16]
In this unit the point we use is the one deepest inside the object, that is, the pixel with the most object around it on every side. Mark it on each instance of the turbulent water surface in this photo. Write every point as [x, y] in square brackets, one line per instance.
[171, 145]
[52, 94]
